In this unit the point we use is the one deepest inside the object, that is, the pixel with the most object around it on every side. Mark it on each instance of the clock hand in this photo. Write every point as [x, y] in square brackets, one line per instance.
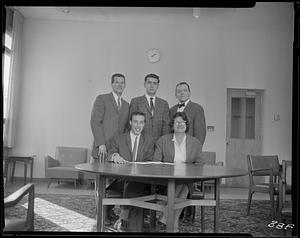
[153, 55]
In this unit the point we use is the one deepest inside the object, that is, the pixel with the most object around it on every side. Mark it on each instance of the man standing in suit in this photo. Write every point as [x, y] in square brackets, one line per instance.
[195, 115]
[194, 111]
[132, 146]
[109, 117]
[155, 108]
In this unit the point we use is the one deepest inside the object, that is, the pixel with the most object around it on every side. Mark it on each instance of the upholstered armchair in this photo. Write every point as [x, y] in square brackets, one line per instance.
[20, 224]
[62, 167]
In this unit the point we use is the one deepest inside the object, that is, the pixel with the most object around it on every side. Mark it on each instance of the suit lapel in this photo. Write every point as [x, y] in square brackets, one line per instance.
[128, 143]
[188, 108]
[189, 147]
[156, 106]
[147, 104]
[140, 148]
[172, 147]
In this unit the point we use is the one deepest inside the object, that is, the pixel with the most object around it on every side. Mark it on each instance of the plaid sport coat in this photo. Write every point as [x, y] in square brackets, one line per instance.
[158, 124]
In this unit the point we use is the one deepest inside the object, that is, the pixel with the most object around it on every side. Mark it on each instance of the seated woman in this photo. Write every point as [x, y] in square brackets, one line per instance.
[178, 147]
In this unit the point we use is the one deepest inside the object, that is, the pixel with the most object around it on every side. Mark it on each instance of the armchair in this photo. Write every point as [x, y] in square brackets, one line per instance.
[62, 168]
[260, 166]
[19, 224]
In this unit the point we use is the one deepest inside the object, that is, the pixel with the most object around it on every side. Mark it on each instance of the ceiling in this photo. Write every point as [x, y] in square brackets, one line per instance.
[126, 14]
[100, 13]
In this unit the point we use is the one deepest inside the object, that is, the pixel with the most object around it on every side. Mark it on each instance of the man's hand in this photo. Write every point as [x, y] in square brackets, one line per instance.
[116, 158]
[102, 151]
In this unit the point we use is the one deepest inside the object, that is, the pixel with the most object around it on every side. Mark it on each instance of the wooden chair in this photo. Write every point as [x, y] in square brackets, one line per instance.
[19, 224]
[285, 187]
[62, 168]
[260, 166]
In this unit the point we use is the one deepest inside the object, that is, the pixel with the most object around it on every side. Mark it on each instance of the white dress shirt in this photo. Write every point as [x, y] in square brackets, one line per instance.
[182, 108]
[132, 137]
[148, 99]
[116, 98]
[180, 150]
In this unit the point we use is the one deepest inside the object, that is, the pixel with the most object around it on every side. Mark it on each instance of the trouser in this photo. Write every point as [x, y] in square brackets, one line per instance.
[181, 191]
[131, 189]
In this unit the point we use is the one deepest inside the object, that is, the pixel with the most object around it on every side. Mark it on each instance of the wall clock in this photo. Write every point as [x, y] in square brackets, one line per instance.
[153, 55]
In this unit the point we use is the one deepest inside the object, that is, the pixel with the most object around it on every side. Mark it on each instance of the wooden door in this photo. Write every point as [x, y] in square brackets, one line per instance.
[243, 131]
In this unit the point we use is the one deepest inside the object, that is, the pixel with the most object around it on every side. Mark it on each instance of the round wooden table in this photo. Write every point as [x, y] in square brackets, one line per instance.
[159, 173]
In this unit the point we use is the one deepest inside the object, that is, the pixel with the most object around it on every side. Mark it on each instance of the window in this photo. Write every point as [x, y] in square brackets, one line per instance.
[6, 70]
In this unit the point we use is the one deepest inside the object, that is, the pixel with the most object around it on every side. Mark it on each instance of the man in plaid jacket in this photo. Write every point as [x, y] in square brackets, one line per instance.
[155, 108]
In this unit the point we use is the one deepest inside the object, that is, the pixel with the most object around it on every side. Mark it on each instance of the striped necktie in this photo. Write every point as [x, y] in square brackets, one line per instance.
[151, 106]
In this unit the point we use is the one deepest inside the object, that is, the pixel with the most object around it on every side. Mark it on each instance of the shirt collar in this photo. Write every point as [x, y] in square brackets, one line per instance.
[175, 141]
[133, 135]
[148, 98]
[116, 96]
[185, 103]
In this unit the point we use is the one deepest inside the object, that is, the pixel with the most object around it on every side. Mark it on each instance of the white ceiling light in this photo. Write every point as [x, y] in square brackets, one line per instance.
[196, 12]
[63, 9]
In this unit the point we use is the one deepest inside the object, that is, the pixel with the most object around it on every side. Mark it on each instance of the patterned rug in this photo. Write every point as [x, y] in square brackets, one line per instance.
[76, 213]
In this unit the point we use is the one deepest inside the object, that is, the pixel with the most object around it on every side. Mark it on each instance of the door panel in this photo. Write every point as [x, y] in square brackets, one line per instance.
[243, 132]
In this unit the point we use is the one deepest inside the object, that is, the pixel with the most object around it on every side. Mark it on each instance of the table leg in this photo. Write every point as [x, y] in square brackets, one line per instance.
[101, 191]
[217, 198]
[170, 205]
[13, 172]
[25, 171]
[6, 171]
[153, 212]
[31, 170]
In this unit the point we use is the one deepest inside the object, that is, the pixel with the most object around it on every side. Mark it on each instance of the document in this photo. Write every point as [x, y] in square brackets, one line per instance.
[151, 162]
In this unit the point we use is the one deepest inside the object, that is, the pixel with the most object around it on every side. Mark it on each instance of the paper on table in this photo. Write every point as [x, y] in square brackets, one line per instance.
[151, 162]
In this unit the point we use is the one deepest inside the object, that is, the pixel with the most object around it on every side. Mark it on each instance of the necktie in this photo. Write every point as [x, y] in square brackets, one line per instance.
[119, 103]
[151, 105]
[134, 150]
[180, 105]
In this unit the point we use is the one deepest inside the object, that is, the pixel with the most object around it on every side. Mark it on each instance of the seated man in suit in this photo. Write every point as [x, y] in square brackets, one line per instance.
[130, 147]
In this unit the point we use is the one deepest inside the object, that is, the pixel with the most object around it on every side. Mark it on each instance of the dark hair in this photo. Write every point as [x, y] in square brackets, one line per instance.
[117, 75]
[137, 113]
[152, 76]
[184, 117]
[182, 83]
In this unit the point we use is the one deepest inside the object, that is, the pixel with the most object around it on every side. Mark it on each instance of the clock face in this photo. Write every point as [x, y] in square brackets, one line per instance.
[153, 55]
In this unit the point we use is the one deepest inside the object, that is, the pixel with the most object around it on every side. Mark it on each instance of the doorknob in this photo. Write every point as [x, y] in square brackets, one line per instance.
[227, 143]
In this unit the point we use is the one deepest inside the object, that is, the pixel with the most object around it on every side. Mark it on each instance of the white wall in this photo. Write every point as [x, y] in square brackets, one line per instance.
[66, 64]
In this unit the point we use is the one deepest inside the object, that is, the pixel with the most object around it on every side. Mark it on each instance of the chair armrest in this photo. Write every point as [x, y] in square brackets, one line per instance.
[50, 162]
[12, 199]
[261, 172]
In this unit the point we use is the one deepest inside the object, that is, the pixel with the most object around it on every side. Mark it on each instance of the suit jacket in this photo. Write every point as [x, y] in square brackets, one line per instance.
[165, 150]
[107, 121]
[158, 124]
[195, 115]
[122, 144]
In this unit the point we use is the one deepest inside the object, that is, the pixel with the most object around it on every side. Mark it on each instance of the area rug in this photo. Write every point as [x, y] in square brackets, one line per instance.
[76, 213]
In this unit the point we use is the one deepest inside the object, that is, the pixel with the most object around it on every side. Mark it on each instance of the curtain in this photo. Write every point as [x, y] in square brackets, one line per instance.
[14, 81]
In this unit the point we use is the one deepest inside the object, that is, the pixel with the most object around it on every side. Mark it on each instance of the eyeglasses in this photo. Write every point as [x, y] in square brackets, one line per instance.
[180, 122]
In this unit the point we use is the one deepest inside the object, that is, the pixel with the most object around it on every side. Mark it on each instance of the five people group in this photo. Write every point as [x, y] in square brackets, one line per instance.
[146, 129]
